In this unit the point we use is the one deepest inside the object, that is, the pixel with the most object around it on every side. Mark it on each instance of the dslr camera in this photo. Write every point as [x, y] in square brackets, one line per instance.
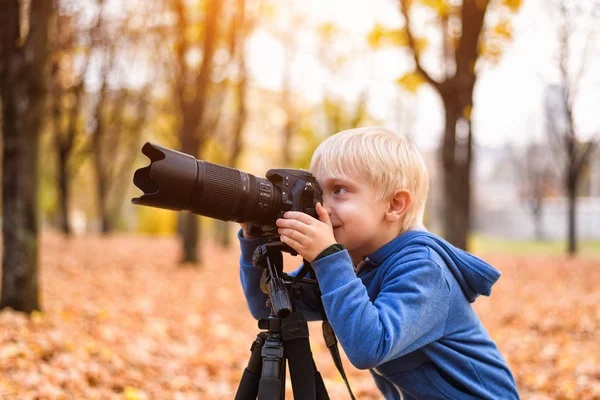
[177, 181]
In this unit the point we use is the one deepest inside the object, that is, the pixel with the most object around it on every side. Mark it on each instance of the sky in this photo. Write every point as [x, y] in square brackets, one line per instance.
[509, 97]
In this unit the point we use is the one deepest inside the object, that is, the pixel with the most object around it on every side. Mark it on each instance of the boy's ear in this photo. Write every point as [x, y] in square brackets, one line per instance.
[398, 205]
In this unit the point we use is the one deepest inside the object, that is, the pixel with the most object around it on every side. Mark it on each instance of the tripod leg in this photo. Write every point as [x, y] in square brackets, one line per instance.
[248, 388]
[271, 386]
[321, 392]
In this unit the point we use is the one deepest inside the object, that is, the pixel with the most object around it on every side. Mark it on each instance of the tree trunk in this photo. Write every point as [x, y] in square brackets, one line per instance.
[61, 151]
[189, 221]
[222, 231]
[456, 167]
[572, 209]
[193, 108]
[537, 220]
[457, 96]
[190, 229]
[105, 223]
[63, 193]
[223, 228]
[22, 85]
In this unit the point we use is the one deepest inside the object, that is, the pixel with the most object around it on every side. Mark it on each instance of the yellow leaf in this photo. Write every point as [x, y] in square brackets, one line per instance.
[133, 394]
[399, 37]
[513, 5]
[327, 31]
[11, 351]
[380, 36]
[36, 316]
[421, 44]
[411, 81]
[65, 315]
[267, 10]
[440, 6]
[91, 347]
[374, 37]
[7, 388]
[193, 34]
[467, 112]
[106, 355]
[490, 49]
[503, 29]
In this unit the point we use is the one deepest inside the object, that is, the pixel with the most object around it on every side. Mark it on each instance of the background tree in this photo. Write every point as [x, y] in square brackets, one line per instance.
[119, 113]
[285, 19]
[462, 31]
[231, 134]
[562, 99]
[69, 40]
[536, 180]
[23, 53]
[192, 83]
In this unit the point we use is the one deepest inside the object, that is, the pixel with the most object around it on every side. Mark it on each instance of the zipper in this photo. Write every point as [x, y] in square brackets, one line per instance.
[388, 380]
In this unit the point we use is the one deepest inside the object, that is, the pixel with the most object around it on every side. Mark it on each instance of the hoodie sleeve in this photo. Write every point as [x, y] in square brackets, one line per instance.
[250, 278]
[409, 312]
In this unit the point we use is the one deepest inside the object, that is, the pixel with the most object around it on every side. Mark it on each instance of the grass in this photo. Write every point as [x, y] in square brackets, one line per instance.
[493, 245]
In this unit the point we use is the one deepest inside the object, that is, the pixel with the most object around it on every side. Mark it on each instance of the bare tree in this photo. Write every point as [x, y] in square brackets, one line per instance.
[23, 88]
[120, 111]
[536, 180]
[67, 98]
[562, 127]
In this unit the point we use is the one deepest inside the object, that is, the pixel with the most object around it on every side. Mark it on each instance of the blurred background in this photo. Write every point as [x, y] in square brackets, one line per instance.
[500, 97]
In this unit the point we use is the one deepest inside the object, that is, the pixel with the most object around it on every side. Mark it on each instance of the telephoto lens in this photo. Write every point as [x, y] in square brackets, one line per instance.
[177, 181]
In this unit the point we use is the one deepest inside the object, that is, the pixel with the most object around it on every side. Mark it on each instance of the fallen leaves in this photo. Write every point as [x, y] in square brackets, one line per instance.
[122, 320]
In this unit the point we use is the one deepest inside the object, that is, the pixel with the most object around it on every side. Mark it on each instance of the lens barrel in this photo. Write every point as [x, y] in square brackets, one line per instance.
[177, 181]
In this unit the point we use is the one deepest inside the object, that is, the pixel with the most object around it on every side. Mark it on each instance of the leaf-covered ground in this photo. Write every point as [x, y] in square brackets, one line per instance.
[122, 320]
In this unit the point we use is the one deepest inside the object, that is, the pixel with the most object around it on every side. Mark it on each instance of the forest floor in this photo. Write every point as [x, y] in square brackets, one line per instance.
[122, 319]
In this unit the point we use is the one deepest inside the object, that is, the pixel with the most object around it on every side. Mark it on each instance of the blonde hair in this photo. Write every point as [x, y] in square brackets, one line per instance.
[386, 160]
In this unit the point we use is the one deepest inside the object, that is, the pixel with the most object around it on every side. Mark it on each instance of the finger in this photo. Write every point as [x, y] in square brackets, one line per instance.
[291, 242]
[292, 234]
[293, 224]
[323, 214]
[299, 216]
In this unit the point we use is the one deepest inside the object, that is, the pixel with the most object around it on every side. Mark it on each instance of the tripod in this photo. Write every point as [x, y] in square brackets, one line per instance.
[285, 339]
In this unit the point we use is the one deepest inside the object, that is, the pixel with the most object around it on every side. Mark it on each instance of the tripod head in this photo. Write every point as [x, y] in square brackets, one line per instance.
[275, 283]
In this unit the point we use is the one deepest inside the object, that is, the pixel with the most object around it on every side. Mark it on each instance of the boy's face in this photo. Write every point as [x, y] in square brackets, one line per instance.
[358, 220]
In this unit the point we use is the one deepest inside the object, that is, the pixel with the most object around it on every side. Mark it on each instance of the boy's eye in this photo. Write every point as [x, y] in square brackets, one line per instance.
[338, 190]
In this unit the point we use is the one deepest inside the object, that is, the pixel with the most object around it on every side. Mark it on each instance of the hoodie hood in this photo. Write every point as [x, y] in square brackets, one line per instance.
[474, 275]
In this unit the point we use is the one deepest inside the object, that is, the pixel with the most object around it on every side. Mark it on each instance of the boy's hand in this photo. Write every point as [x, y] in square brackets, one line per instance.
[305, 234]
[244, 227]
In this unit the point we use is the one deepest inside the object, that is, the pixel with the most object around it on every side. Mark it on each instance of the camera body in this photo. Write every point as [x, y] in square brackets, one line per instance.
[299, 192]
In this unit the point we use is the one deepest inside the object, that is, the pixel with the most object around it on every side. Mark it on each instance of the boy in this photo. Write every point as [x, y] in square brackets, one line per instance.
[397, 297]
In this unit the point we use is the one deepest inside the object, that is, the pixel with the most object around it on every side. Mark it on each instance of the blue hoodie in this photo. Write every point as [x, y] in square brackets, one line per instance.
[404, 313]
